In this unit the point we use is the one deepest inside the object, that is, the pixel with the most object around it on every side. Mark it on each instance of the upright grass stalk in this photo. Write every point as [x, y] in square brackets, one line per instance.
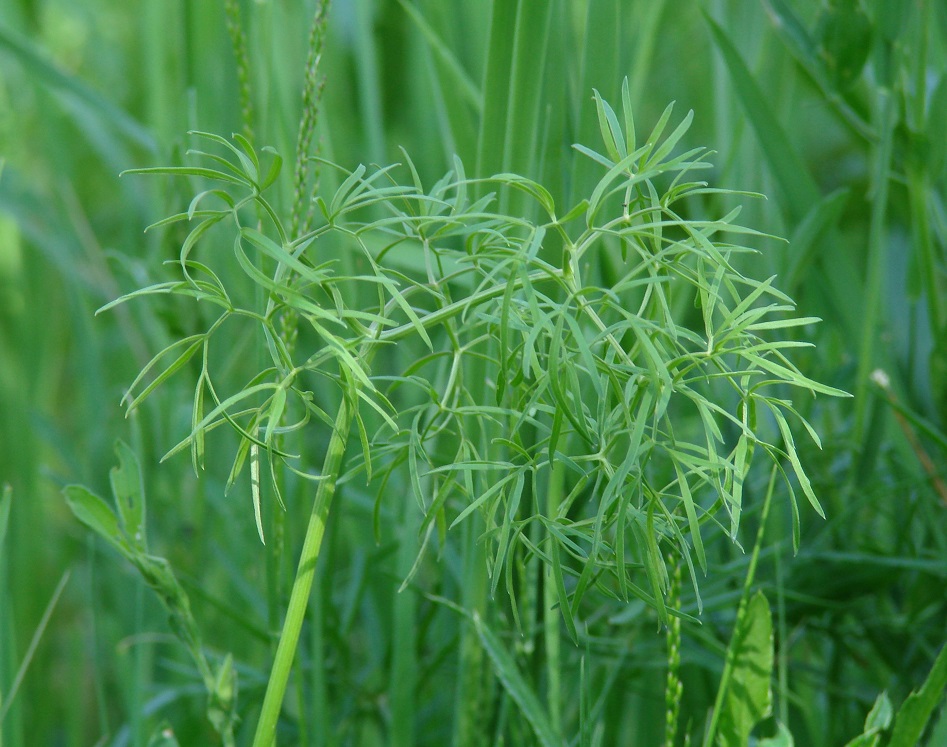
[873, 297]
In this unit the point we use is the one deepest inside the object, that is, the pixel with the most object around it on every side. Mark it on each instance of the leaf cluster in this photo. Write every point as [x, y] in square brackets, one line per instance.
[494, 370]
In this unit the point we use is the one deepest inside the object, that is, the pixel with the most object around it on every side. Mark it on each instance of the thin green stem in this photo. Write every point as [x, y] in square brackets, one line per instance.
[299, 597]
[551, 624]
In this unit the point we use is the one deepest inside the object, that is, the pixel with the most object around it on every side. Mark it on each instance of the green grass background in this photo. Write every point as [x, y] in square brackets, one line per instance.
[851, 157]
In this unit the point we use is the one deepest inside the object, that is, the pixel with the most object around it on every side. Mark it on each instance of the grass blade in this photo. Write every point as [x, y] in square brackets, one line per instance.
[516, 685]
[799, 188]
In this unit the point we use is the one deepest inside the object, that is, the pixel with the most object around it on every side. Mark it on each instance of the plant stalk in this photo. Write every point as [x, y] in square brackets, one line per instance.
[877, 256]
[299, 597]
[551, 613]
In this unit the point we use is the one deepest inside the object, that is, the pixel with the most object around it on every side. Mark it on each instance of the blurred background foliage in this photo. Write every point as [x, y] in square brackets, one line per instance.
[837, 111]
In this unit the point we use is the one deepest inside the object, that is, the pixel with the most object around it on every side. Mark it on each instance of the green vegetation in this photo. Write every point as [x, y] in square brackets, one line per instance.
[457, 394]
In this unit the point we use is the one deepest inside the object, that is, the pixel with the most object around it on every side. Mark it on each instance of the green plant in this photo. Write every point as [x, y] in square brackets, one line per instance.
[125, 529]
[797, 111]
[546, 378]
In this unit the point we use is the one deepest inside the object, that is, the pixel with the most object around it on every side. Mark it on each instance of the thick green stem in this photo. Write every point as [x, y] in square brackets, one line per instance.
[299, 597]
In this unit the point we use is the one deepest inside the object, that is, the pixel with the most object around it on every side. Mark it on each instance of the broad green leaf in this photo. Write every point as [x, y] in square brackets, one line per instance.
[881, 713]
[939, 730]
[749, 698]
[95, 514]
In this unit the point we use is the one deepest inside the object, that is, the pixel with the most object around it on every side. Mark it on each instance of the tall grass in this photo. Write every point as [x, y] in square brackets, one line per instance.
[836, 114]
